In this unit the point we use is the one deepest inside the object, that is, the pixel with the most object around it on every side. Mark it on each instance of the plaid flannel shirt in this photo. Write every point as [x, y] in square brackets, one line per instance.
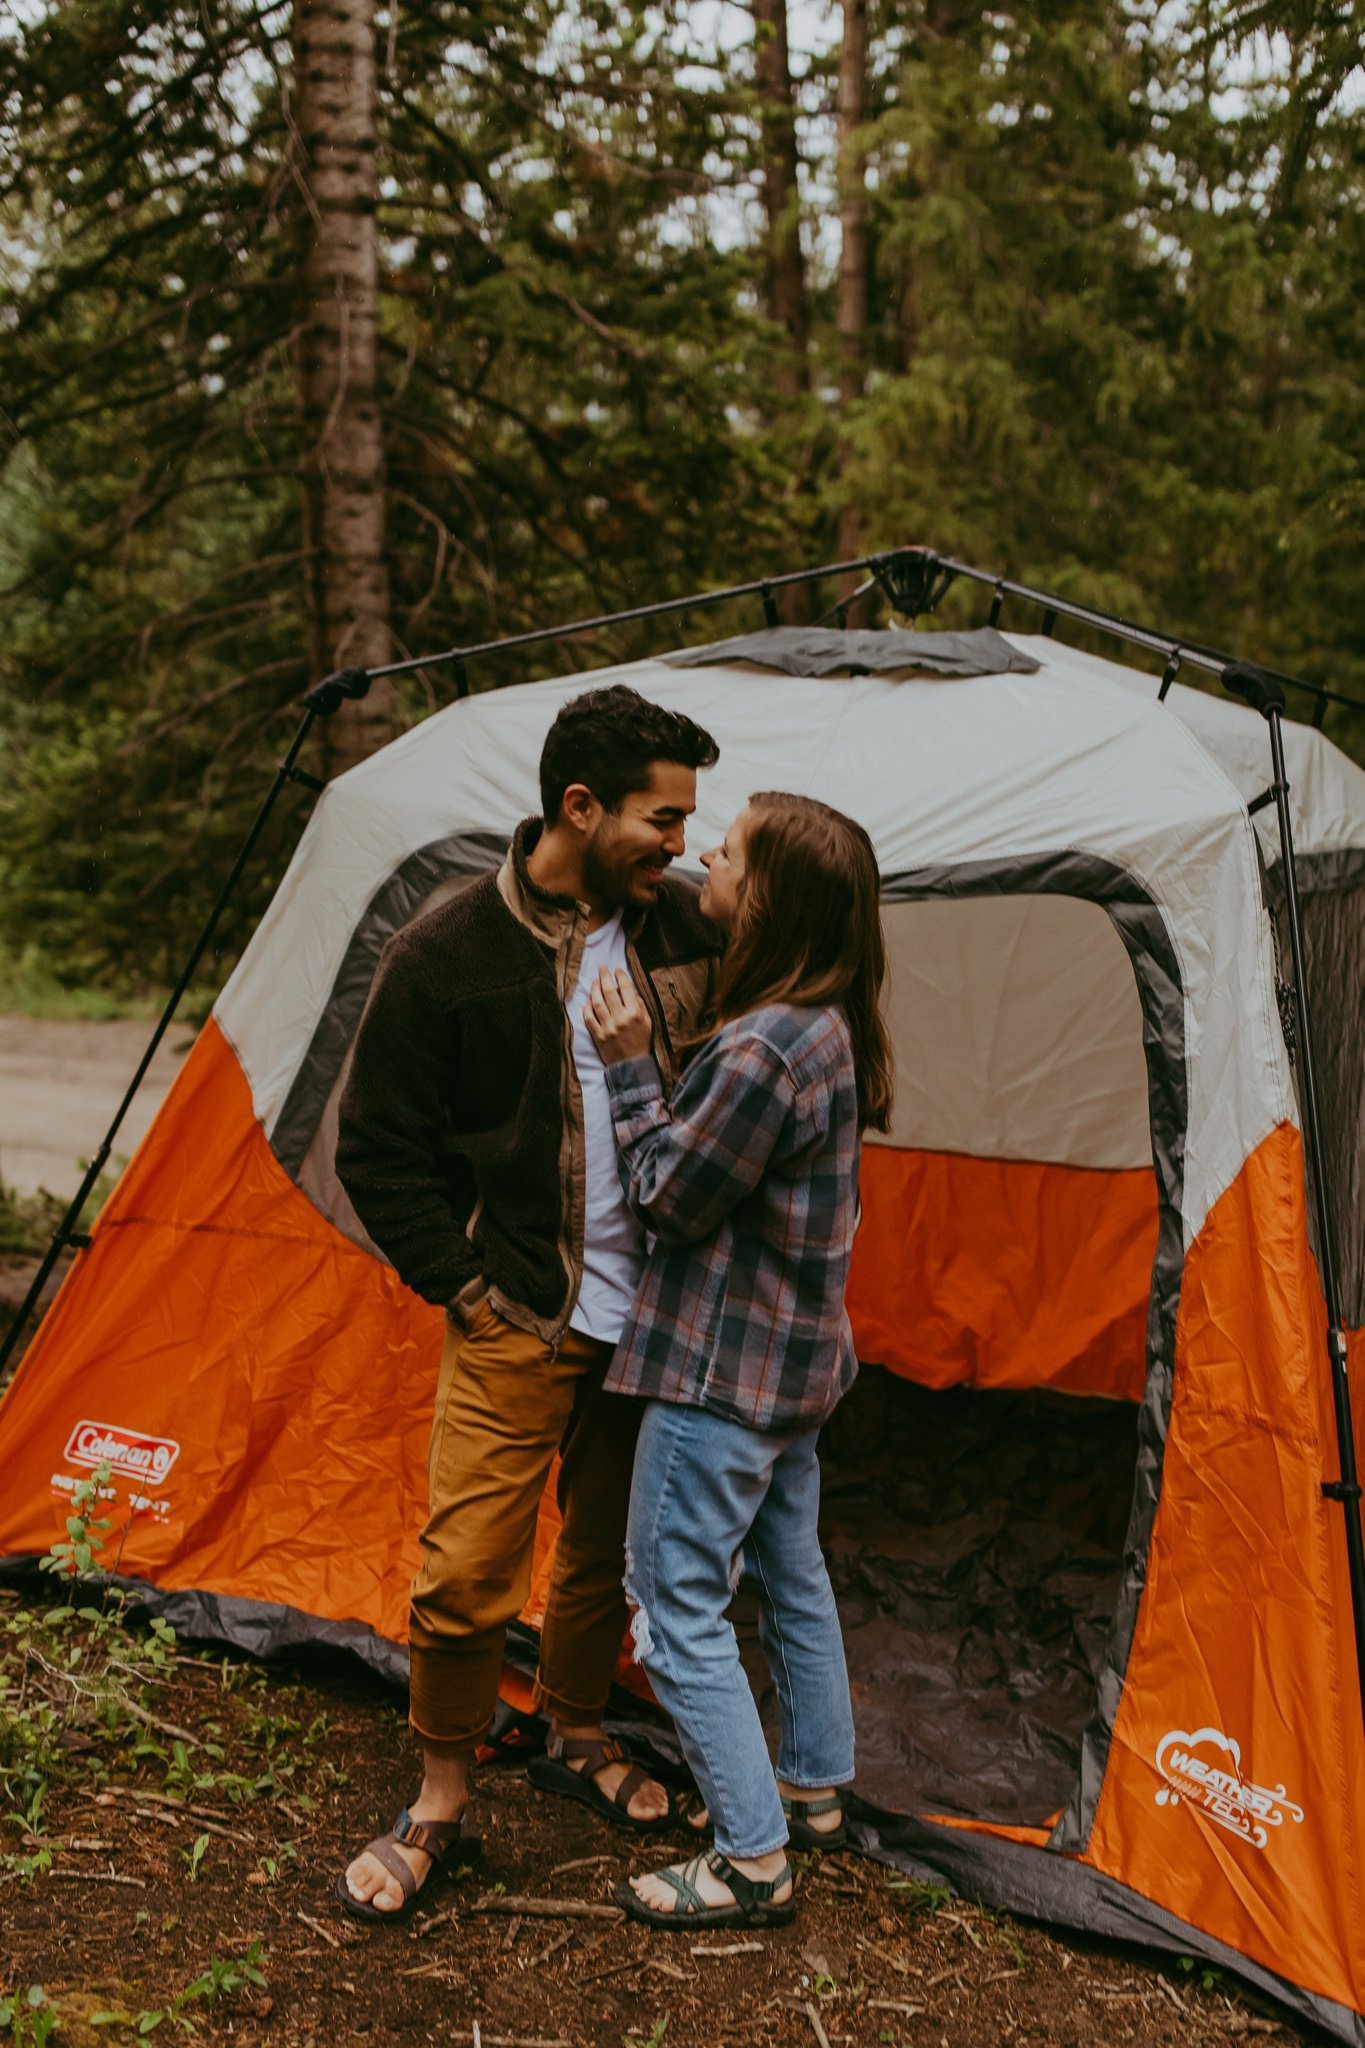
[748, 1180]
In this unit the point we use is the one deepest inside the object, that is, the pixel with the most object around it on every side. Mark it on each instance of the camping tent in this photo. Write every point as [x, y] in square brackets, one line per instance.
[1092, 1199]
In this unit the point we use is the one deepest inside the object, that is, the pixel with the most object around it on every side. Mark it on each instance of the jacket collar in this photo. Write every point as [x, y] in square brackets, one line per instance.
[550, 916]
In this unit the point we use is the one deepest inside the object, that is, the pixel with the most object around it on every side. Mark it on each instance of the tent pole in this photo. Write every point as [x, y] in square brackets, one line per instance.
[1263, 692]
[1210, 659]
[66, 1232]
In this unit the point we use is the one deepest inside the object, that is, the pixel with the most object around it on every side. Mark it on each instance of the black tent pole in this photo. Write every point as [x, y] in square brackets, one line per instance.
[1263, 692]
[323, 699]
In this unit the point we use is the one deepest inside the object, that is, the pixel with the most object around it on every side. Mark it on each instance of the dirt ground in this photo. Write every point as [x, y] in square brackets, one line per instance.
[220, 1818]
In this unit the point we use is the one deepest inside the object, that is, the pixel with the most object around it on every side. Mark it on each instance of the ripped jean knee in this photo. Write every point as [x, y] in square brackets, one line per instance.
[641, 1641]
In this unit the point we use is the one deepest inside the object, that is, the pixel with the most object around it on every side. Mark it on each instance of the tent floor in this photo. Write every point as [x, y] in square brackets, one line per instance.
[974, 1542]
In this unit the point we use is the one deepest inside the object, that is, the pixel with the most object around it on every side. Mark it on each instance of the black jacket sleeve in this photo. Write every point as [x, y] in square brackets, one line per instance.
[414, 1201]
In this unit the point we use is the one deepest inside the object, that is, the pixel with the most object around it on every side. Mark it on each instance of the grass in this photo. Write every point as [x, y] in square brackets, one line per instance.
[31, 985]
[28, 1221]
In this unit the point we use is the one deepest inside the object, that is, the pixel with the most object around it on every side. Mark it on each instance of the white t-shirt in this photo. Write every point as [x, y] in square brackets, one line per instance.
[613, 1242]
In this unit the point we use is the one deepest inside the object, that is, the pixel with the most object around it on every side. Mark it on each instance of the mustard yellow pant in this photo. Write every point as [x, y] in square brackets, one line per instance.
[504, 1405]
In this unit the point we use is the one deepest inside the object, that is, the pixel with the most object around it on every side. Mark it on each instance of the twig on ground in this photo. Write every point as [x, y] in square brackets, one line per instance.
[581, 1863]
[162, 1727]
[888, 1955]
[74, 1842]
[894, 2005]
[319, 1927]
[612, 1970]
[817, 2025]
[547, 1909]
[732, 1948]
[509, 1939]
[560, 1941]
[482, 2040]
[95, 1877]
[109, 1793]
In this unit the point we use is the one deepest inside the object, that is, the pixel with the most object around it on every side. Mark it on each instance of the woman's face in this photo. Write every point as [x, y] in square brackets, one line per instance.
[724, 866]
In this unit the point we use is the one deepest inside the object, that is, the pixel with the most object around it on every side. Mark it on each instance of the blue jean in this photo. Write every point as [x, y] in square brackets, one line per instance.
[712, 1499]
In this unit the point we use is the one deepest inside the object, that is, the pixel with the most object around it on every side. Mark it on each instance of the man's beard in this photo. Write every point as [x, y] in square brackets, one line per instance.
[606, 879]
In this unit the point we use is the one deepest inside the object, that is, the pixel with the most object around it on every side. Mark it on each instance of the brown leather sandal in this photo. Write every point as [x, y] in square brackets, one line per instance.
[453, 1846]
[552, 1773]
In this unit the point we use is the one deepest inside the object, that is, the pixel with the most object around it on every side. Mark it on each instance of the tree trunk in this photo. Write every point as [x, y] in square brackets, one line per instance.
[852, 281]
[779, 169]
[342, 453]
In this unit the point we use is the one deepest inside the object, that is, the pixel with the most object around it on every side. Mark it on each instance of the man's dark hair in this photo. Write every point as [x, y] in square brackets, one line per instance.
[606, 739]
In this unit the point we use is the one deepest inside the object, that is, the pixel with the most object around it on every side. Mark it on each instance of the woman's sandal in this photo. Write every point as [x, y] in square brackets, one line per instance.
[753, 1906]
[800, 1833]
[552, 1773]
[452, 1845]
[695, 1820]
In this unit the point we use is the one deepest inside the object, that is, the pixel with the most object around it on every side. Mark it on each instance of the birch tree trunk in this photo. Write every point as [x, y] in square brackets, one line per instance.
[342, 453]
[787, 306]
[851, 303]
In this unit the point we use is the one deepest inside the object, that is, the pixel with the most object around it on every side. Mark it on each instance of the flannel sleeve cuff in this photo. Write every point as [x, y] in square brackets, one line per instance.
[633, 1085]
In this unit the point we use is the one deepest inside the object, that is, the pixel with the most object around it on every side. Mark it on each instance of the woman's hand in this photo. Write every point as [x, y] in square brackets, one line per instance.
[616, 1017]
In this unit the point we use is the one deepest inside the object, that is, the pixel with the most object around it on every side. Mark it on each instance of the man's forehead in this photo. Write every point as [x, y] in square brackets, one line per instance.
[671, 787]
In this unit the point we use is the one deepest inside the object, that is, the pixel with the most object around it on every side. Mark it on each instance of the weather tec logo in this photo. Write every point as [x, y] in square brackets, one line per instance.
[1205, 1770]
[145, 1458]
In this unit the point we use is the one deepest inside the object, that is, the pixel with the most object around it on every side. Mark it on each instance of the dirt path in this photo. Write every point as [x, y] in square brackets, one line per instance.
[60, 1083]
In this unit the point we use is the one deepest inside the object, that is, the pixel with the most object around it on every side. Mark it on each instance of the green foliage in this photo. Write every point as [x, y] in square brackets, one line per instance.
[73, 1670]
[1206, 1975]
[27, 1222]
[1112, 346]
[923, 1897]
[220, 1983]
[28, 2017]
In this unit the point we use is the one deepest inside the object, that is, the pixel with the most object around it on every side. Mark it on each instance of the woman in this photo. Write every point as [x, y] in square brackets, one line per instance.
[738, 1339]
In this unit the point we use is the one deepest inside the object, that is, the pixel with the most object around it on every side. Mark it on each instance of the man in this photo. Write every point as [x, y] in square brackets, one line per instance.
[476, 1144]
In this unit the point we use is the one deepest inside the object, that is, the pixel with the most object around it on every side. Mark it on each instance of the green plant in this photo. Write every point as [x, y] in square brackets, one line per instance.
[195, 1857]
[925, 1898]
[30, 2016]
[85, 1530]
[635, 2039]
[219, 1981]
[286, 1852]
[75, 1669]
[1206, 1975]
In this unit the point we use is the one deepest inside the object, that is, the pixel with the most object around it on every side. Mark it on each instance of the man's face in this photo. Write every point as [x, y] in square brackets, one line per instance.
[627, 851]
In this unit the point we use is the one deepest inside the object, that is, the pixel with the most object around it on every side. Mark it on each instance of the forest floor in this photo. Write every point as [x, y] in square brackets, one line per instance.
[177, 1819]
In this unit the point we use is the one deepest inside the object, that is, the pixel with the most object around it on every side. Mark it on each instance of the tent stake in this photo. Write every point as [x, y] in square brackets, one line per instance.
[1263, 692]
[66, 1232]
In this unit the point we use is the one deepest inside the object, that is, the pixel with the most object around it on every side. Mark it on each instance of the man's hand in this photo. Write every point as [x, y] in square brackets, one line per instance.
[616, 1017]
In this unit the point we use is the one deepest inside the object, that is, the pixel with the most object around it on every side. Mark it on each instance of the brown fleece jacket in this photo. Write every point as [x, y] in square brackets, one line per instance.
[459, 1120]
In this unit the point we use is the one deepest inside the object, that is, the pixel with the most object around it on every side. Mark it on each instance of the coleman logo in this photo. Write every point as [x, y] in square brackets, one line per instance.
[148, 1458]
[1205, 1770]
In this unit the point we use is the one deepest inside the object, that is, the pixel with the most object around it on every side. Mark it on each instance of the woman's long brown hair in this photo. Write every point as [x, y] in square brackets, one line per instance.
[809, 931]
